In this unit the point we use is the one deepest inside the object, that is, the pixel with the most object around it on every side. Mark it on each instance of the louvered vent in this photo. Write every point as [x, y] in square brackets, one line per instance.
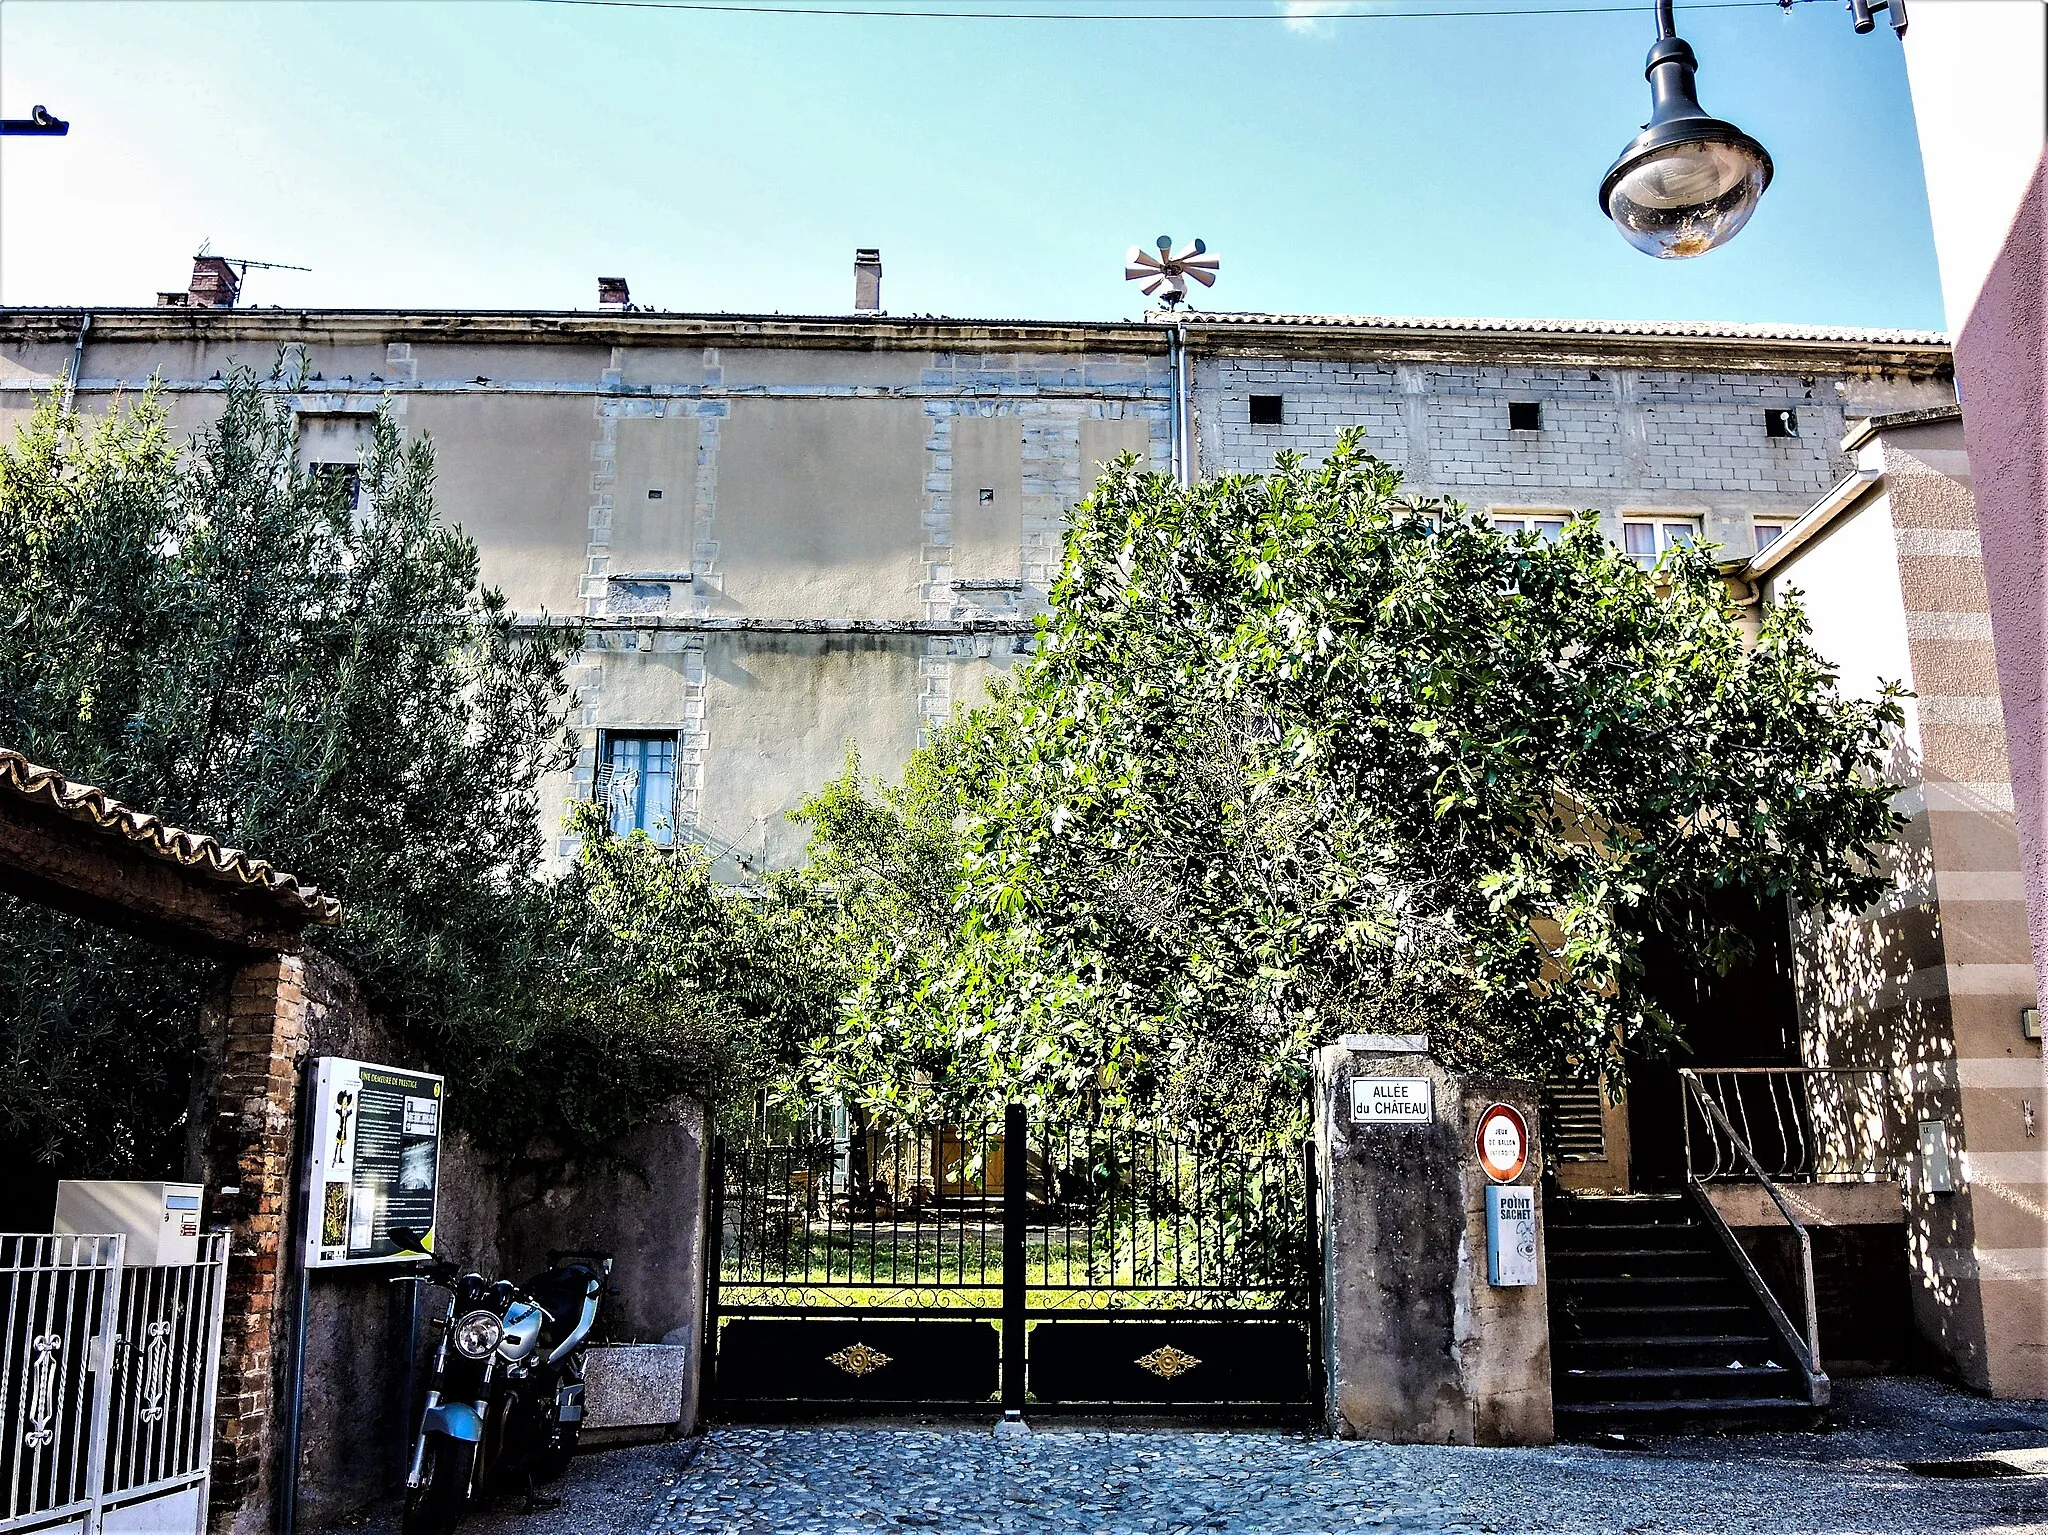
[1572, 1124]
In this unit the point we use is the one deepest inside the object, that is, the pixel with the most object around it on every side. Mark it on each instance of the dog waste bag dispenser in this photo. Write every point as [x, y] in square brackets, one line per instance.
[376, 1160]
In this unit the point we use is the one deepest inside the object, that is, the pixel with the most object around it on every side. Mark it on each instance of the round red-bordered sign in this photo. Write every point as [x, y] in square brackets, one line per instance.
[1503, 1142]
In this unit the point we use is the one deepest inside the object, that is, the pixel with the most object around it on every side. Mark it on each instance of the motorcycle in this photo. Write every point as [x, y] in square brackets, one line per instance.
[504, 1401]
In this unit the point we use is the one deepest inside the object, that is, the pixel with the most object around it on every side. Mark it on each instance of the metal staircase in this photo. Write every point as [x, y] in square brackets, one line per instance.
[1657, 1321]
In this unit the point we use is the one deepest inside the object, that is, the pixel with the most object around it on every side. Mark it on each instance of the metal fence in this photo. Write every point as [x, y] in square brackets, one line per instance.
[107, 1379]
[1038, 1260]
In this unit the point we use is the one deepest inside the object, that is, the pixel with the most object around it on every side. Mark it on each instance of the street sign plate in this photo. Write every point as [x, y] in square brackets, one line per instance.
[1392, 1101]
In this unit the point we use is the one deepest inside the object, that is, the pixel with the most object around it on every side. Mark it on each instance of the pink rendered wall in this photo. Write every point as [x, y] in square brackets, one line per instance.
[2002, 375]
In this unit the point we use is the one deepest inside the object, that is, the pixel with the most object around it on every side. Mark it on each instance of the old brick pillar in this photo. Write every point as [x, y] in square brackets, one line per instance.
[251, 1145]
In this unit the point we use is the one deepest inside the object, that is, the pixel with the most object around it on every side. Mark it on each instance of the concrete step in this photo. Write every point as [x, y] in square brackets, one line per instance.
[1712, 1414]
[1571, 1266]
[1682, 1382]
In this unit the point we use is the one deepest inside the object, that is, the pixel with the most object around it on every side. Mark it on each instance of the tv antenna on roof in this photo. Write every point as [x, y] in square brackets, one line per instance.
[243, 265]
[1165, 276]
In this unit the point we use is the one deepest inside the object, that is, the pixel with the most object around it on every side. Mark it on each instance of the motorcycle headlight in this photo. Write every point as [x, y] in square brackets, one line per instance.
[477, 1334]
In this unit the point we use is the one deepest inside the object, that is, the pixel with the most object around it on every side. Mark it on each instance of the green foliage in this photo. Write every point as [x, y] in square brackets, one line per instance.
[216, 637]
[1297, 755]
[675, 982]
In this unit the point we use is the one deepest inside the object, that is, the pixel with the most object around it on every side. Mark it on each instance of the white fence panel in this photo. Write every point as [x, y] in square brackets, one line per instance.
[107, 1382]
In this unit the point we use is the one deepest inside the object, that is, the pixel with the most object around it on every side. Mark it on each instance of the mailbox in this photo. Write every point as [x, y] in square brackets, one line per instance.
[160, 1220]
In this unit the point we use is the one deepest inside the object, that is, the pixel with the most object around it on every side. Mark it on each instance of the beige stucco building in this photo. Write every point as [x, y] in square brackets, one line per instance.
[784, 536]
[787, 535]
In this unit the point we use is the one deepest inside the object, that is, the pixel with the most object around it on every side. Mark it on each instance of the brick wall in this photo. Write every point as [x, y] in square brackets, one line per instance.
[1613, 439]
[249, 1166]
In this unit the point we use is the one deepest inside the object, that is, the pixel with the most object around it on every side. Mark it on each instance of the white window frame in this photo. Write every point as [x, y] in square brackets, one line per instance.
[1779, 527]
[1664, 530]
[1546, 522]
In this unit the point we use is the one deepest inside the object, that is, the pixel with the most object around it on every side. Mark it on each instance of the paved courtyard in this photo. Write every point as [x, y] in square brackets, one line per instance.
[1852, 1480]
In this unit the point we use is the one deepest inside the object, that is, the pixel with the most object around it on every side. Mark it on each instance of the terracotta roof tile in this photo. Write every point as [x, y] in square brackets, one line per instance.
[189, 849]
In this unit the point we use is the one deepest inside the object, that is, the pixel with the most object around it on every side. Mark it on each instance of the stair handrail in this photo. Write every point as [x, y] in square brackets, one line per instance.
[1807, 1348]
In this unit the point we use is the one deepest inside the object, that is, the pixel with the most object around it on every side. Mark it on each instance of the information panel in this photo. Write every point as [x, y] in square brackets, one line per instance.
[376, 1153]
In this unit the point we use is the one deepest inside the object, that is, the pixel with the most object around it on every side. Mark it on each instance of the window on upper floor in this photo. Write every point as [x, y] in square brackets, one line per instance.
[1644, 538]
[1267, 410]
[341, 481]
[1768, 533]
[1781, 423]
[636, 779]
[1525, 416]
[1548, 526]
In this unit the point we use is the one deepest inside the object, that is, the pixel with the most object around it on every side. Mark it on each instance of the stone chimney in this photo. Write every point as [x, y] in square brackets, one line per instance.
[215, 285]
[867, 281]
[613, 294]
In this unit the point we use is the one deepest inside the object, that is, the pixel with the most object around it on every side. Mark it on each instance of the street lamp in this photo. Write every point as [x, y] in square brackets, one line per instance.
[39, 121]
[1688, 182]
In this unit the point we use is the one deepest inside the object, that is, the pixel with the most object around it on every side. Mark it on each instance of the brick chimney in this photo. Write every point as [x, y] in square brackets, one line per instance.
[867, 281]
[613, 294]
[215, 284]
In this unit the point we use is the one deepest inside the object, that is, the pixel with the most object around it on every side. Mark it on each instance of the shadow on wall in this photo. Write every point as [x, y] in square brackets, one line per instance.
[1872, 993]
[645, 1205]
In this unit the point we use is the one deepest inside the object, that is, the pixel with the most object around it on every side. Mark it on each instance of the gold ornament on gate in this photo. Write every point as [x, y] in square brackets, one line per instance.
[1167, 1361]
[858, 1359]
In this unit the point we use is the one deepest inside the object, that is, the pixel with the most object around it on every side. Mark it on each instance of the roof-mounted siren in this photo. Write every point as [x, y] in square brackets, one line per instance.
[1165, 276]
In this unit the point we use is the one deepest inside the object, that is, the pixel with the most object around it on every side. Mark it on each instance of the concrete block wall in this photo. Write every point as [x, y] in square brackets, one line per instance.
[1619, 440]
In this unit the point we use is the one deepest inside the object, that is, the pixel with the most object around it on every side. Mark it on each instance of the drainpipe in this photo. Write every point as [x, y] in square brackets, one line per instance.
[77, 361]
[1183, 405]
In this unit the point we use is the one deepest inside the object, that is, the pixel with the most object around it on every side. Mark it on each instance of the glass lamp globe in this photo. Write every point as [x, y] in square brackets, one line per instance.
[1687, 198]
[1688, 182]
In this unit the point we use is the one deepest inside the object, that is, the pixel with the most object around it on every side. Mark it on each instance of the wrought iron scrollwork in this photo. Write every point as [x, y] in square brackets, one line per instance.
[42, 1402]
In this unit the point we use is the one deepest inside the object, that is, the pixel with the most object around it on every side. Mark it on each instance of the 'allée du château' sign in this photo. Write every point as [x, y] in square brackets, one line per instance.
[1392, 1101]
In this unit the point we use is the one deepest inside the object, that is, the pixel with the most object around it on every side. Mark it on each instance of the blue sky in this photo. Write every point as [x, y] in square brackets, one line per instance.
[503, 155]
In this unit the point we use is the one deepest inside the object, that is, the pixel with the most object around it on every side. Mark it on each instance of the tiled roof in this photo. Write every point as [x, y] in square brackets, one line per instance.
[1712, 330]
[189, 849]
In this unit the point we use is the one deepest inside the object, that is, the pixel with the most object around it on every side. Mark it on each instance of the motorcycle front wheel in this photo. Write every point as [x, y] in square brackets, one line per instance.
[436, 1506]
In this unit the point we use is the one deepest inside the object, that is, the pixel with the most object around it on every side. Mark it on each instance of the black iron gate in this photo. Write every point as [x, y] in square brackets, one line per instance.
[1044, 1266]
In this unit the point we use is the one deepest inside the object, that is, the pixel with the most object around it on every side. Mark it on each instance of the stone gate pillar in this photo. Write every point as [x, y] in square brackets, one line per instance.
[1419, 1346]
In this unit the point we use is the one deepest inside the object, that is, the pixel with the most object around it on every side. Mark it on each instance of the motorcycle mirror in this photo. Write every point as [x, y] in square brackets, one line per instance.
[409, 1240]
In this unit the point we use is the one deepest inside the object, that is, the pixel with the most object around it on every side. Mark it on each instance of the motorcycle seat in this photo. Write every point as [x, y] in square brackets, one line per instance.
[561, 1292]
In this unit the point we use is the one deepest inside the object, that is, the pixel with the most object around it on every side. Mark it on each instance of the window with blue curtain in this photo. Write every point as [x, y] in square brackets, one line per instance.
[639, 783]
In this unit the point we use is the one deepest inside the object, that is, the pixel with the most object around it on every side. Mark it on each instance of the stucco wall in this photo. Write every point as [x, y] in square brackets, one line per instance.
[1929, 984]
[1419, 1347]
[819, 567]
[644, 1201]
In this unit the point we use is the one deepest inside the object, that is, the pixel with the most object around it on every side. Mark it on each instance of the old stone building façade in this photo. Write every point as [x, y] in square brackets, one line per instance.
[787, 534]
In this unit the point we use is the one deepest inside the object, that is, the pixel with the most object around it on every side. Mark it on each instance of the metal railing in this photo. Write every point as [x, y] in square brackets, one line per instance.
[1800, 1124]
[1804, 1342]
[107, 1380]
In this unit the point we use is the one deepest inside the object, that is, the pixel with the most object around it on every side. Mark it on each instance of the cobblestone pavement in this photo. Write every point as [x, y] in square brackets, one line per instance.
[1849, 1481]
